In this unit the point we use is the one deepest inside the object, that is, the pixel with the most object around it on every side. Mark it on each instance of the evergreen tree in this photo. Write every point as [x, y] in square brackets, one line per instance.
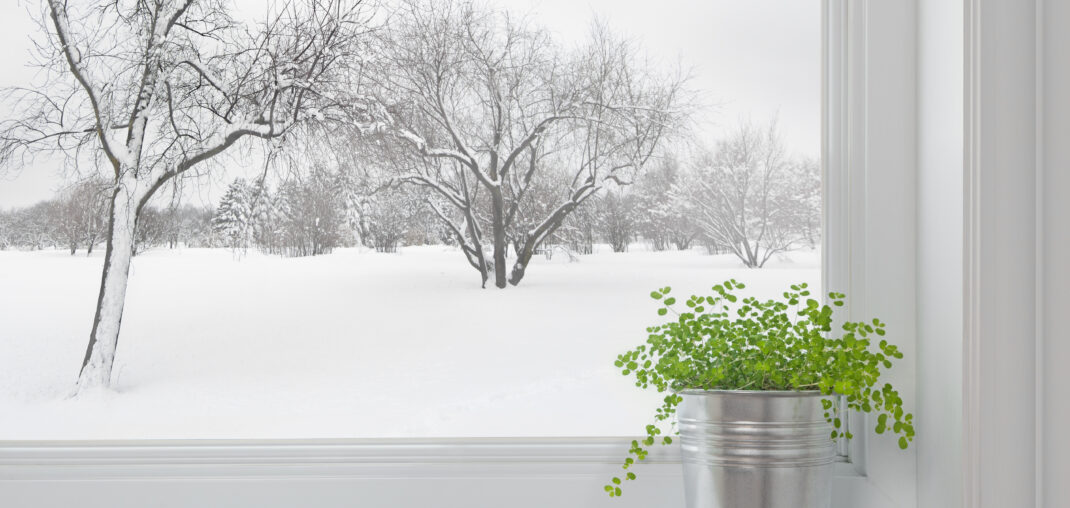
[264, 217]
[233, 219]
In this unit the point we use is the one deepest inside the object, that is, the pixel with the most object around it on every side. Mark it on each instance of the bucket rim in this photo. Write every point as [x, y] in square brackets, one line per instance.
[754, 393]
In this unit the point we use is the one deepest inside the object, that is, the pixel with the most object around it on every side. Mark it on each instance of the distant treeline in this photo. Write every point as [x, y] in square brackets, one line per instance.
[745, 198]
[77, 219]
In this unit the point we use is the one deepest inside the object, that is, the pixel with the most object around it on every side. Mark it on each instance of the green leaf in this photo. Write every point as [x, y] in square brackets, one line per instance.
[882, 423]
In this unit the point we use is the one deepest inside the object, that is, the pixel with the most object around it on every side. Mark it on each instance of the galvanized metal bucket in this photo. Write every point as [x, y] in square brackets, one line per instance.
[755, 449]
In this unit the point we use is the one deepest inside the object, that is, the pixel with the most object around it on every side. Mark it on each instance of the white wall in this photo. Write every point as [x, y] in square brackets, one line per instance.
[1054, 247]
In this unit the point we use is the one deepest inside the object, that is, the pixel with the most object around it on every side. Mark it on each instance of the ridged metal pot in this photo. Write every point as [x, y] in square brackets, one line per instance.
[755, 449]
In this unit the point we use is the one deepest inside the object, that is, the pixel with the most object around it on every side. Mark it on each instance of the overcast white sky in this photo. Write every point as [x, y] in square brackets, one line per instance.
[750, 59]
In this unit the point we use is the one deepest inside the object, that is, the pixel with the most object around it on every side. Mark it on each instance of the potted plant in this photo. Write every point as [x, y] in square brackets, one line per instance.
[751, 388]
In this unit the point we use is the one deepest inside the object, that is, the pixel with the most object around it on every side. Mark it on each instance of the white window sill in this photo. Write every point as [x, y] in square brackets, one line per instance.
[453, 472]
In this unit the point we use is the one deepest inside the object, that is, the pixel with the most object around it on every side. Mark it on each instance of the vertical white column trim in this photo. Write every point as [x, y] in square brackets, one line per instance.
[1039, 282]
[843, 170]
[1003, 39]
[971, 258]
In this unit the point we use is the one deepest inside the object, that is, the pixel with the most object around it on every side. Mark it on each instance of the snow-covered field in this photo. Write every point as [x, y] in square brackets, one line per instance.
[352, 344]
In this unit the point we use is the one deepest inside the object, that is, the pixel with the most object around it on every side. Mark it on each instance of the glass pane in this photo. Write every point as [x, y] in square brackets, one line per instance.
[339, 282]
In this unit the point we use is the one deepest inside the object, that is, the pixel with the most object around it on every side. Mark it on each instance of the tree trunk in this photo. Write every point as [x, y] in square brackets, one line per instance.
[104, 337]
[523, 256]
[500, 242]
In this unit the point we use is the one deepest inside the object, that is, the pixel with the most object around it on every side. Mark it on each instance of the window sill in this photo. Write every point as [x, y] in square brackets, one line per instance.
[444, 472]
[371, 458]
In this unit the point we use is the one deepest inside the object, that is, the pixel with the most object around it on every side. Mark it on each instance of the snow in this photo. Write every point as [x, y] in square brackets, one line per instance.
[352, 344]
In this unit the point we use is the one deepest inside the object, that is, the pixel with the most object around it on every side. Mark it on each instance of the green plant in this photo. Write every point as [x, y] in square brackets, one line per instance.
[722, 342]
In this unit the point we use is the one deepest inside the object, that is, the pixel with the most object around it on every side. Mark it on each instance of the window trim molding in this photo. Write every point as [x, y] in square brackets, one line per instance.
[318, 458]
[24, 465]
[843, 112]
[326, 458]
[871, 201]
[1004, 225]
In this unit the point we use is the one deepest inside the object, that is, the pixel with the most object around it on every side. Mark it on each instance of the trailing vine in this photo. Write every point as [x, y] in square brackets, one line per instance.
[722, 342]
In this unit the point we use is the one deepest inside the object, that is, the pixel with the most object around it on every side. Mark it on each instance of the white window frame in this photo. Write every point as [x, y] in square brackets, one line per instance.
[870, 157]
[869, 150]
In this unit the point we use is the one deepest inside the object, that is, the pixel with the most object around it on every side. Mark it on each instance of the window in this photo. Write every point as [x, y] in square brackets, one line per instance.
[869, 114]
[344, 287]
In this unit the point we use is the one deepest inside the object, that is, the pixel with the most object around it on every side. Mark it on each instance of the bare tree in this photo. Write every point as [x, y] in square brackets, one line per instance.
[92, 196]
[158, 88]
[34, 227]
[746, 196]
[487, 105]
[196, 226]
[151, 230]
[579, 229]
[806, 176]
[63, 217]
[187, 225]
[81, 214]
[539, 200]
[391, 215]
[311, 215]
[662, 223]
[5, 230]
[617, 218]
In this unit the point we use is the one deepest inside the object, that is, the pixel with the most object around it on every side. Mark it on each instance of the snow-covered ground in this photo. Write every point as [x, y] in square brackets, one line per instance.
[352, 344]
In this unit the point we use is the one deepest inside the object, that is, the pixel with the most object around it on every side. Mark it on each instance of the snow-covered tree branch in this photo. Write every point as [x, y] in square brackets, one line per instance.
[750, 197]
[159, 88]
[501, 108]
